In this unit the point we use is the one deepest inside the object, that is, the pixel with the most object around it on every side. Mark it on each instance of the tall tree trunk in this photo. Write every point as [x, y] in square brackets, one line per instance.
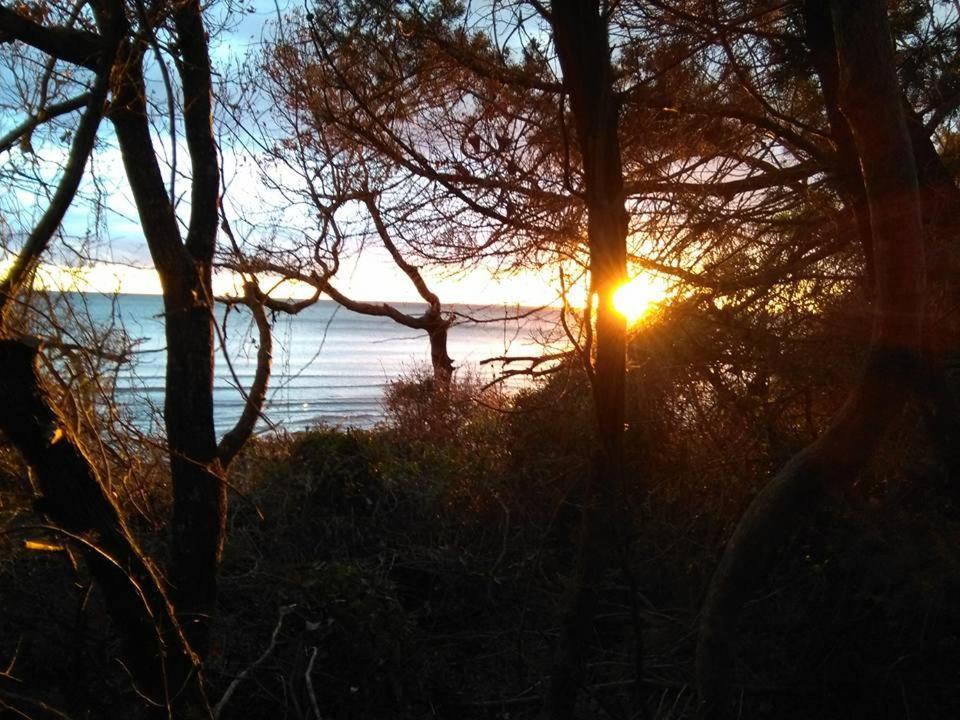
[183, 264]
[199, 494]
[940, 200]
[159, 657]
[940, 204]
[580, 35]
[184, 267]
[870, 100]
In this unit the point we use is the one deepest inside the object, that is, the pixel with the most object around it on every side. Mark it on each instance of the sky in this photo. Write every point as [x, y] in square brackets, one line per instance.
[370, 278]
[118, 260]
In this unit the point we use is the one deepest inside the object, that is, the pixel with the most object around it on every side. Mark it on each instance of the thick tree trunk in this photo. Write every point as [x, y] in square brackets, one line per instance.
[159, 658]
[940, 200]
[580, 35]
[940, 203]
[870, 100]
[823, 56]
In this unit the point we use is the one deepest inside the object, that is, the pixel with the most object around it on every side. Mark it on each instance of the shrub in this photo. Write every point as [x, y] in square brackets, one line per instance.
[335, 468]
[365, 637]
[422, 410]
[450, 443]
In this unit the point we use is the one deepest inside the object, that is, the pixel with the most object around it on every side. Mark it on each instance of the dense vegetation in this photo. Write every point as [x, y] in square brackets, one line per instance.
[417, 573]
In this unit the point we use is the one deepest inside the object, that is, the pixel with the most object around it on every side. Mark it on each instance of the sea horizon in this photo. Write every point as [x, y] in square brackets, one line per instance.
[330, 366]
[323, 299]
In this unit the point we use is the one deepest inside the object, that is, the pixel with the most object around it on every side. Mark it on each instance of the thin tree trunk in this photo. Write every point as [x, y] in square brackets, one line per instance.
[184, 267]
[441, 361]
[870, 100]
[235, 438]
[580, 35]
[113, 25]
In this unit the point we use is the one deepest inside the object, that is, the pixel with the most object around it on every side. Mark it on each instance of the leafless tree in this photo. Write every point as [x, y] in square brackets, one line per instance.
[107, 49]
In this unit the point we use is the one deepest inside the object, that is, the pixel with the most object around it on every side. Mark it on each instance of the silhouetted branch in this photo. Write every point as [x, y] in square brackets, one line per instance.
[79, 47]
[41, 116]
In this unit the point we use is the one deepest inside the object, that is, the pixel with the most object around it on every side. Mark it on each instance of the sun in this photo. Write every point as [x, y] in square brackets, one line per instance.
[637, 297]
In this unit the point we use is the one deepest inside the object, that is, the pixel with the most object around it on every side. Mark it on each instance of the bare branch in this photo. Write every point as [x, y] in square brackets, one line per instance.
[44, 115]
[79, 47]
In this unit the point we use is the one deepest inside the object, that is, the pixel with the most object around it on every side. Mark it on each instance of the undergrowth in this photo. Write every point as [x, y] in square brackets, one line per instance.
[415, 570]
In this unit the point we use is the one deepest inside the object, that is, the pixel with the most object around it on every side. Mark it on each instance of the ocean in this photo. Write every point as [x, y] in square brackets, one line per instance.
[330, 366]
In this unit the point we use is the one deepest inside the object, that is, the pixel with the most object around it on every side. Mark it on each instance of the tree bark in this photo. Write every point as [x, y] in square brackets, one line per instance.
[823, 56]
[159, 658]
[442, 363]
[870, 100]
[185, 270]
[199, 494]
[582, 43]
[79, 47]
[940, 204]
[233, 440]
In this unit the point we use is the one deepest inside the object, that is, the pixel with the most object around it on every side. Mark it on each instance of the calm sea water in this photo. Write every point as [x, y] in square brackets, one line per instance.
[330, 366]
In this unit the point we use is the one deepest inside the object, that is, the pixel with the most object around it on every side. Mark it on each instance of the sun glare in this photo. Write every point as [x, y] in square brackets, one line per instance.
[637, 297]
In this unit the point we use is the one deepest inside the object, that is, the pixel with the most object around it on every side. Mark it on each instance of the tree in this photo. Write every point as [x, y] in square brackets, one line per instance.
[113, 48]
[488, 163]
[870, 102]
[583, 49]
[346, 196]
[511, 159]
[184, 265]
[72, 494]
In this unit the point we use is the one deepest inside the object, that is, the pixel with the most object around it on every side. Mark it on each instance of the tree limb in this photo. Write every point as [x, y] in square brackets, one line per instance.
[44, 115]
[79, 47]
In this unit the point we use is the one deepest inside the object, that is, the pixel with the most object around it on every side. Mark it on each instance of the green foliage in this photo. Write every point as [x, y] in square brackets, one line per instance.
[364, 637]
[451, 443]
[335, 469]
